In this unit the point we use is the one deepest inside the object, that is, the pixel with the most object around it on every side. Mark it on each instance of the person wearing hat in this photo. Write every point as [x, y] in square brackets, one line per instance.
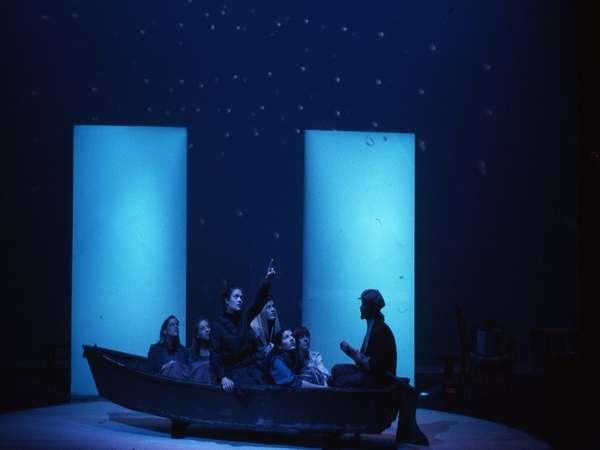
[375, 366]
[376, 359]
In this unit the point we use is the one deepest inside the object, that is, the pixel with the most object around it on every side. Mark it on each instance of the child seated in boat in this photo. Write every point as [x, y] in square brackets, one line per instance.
[313, 369]
[266, 325]
[168, 357]
[199, 361]
[284, 362]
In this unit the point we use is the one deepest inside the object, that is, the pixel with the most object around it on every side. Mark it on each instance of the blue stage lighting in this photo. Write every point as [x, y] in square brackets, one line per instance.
[129, 239]
[359, 215]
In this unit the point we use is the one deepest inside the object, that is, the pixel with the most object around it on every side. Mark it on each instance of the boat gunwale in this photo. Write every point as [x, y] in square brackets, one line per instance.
[98, 351]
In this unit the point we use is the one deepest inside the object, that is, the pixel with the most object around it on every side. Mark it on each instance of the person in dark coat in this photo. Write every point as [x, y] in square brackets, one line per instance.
[375, 366]
[168, 357]
[234, 347]
[376, 359]
[285, 363]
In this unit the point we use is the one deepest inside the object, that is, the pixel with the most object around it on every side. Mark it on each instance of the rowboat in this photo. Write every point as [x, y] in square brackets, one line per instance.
[123, 378]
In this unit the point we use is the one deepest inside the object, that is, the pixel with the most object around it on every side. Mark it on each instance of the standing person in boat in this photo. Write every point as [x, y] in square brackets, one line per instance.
[313, 369]
[284, 362]
[234, 348]
[266, 325]
[168, 357]
[200, 369]
[375, 366]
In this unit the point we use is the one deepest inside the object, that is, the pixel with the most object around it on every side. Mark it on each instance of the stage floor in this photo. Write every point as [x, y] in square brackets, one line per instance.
[102, 424]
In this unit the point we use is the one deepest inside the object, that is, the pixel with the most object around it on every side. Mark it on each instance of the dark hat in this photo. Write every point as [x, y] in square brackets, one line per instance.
[372, 297]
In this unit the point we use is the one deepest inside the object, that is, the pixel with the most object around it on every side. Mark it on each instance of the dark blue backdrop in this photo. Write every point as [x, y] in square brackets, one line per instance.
[487, 87]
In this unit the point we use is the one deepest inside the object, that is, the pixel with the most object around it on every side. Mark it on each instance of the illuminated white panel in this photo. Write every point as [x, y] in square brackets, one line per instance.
[129, 239]
[359, 219]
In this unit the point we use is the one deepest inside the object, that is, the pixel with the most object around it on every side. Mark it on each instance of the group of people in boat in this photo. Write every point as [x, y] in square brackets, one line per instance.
[248, 346]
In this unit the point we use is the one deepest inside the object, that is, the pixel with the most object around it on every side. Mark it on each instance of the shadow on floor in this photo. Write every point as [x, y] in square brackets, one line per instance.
[162, 425]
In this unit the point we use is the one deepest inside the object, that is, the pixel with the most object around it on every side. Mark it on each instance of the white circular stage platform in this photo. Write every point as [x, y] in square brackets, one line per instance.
[104, 425]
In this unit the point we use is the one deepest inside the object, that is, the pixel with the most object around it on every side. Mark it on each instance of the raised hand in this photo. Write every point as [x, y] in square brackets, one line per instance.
[227, 384]
[270, 270]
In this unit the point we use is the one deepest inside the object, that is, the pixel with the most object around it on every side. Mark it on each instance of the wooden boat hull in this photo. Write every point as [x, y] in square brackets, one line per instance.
[122, 379]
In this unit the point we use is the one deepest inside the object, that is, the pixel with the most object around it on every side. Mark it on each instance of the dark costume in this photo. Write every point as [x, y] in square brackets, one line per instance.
[282, 372]
[234, 345]
[380, 348]
[200, 369]
[159, 354]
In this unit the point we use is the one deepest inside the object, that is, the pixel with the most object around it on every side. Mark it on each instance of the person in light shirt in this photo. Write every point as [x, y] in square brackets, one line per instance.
[313, 369]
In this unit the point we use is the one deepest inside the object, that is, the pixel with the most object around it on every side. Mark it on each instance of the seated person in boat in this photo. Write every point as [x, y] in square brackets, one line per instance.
[235, 355]
[375, 366]
[199, 362]
[376, 359]
[284, 362]
[313, 370]
[266, 325]
[168, 357]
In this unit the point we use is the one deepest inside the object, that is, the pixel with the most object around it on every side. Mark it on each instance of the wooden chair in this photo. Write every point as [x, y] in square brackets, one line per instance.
[482, 369]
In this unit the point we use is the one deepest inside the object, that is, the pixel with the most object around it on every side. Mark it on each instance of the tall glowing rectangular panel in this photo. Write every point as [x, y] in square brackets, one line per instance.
[359, 215]
[129, 239]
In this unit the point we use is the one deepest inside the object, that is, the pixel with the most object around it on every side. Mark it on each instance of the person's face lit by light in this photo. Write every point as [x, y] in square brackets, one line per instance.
[172, 329]
[203, 330]
[235, 301]
[287, 341]
[304, 343]
[270, 310]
